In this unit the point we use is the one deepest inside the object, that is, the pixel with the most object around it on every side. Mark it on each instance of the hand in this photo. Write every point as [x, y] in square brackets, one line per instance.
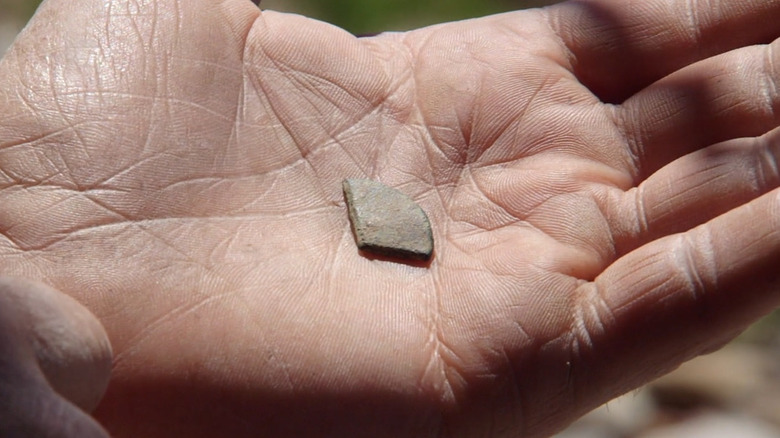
[600, 176]
[55, 361]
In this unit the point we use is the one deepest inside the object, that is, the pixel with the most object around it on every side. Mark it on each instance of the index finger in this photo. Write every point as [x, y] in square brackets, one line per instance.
[618, 47]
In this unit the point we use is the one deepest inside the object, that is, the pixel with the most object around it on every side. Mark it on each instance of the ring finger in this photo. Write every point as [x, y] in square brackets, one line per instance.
[694, 189]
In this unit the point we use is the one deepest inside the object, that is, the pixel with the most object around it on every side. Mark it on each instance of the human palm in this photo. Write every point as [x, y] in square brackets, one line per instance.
[177, 168]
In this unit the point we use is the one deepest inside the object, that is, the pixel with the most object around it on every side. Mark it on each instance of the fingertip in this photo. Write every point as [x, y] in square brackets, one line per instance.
[71, 347]
[30, 408]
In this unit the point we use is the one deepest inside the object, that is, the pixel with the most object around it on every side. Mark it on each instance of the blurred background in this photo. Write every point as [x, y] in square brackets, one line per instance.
[363, 17]
[734, 392]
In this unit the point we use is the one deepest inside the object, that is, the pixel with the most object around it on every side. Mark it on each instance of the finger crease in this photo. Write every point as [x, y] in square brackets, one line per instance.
[640, 211]
[772, 76]
[769, 175]
[632, 144]
[697, 262]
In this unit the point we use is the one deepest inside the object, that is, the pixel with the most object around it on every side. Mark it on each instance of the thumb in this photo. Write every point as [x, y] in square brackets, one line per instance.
[55, 362]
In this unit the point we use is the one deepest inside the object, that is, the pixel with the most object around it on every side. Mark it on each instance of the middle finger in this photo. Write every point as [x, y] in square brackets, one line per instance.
[694, 189]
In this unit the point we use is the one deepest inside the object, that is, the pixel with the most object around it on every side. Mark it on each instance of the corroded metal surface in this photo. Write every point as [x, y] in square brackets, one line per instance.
[386, 222]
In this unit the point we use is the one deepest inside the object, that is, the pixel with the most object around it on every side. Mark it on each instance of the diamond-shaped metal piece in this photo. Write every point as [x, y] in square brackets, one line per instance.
[386, 222]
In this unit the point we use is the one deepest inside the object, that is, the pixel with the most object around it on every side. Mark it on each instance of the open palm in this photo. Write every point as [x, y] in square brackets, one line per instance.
[177, 167]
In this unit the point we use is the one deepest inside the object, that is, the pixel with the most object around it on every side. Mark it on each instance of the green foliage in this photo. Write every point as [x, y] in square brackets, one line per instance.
[18, 9]
[373, 16]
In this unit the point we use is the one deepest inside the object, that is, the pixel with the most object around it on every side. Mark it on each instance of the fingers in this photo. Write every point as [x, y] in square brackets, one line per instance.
[55, 364]
[724, 271]
[620, 47]
[681, 296]
[694, 189]
[69, 344]
[729, 96]
[34, 410]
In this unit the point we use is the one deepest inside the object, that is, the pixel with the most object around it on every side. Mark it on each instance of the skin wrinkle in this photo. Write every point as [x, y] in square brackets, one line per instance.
[579, 330]
[634, 151]
[425, 128]
[692, 13]
[34, 216]
[8, 146]
[664, 210]
[771, 71]
[757, 242]
[708, 263]
[436, 367]
[184, 256]
[576, 353]
[239, 115]
[598, 311]
[491, 142]
[333, 257]
[726, 103]
[481, 227]
[593, 295]
[304, 151]
[427, 125]
[382, 165]
[71, 127]
[690, 268]
[76, 232]
[538, 90]
[450, 364]
[436, 379]
[639, 212]
[168, 317]
[335, 142]
[286, 128]
[427, 138]
[552, 17]
[648, 276]
[104, 206]
[587, 246]
[6, 177]
[224, 247]
[268, 109]
[511, 381]
[465, 127]
[285, 367]
[411, 184]
[376, 106]
[474, 154]
[444, 201]
[767, 172]
[311, 85]
[552, 189]
[598, 201]
[496, 203]
[467, 156]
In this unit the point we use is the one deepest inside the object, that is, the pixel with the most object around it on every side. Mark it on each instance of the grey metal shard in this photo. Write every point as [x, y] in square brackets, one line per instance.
[386, 222]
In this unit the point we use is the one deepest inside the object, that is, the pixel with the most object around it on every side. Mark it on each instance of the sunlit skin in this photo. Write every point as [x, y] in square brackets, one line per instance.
[601, 178]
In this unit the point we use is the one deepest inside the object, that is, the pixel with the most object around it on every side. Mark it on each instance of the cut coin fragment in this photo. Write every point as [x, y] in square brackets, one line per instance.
[386, 222]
